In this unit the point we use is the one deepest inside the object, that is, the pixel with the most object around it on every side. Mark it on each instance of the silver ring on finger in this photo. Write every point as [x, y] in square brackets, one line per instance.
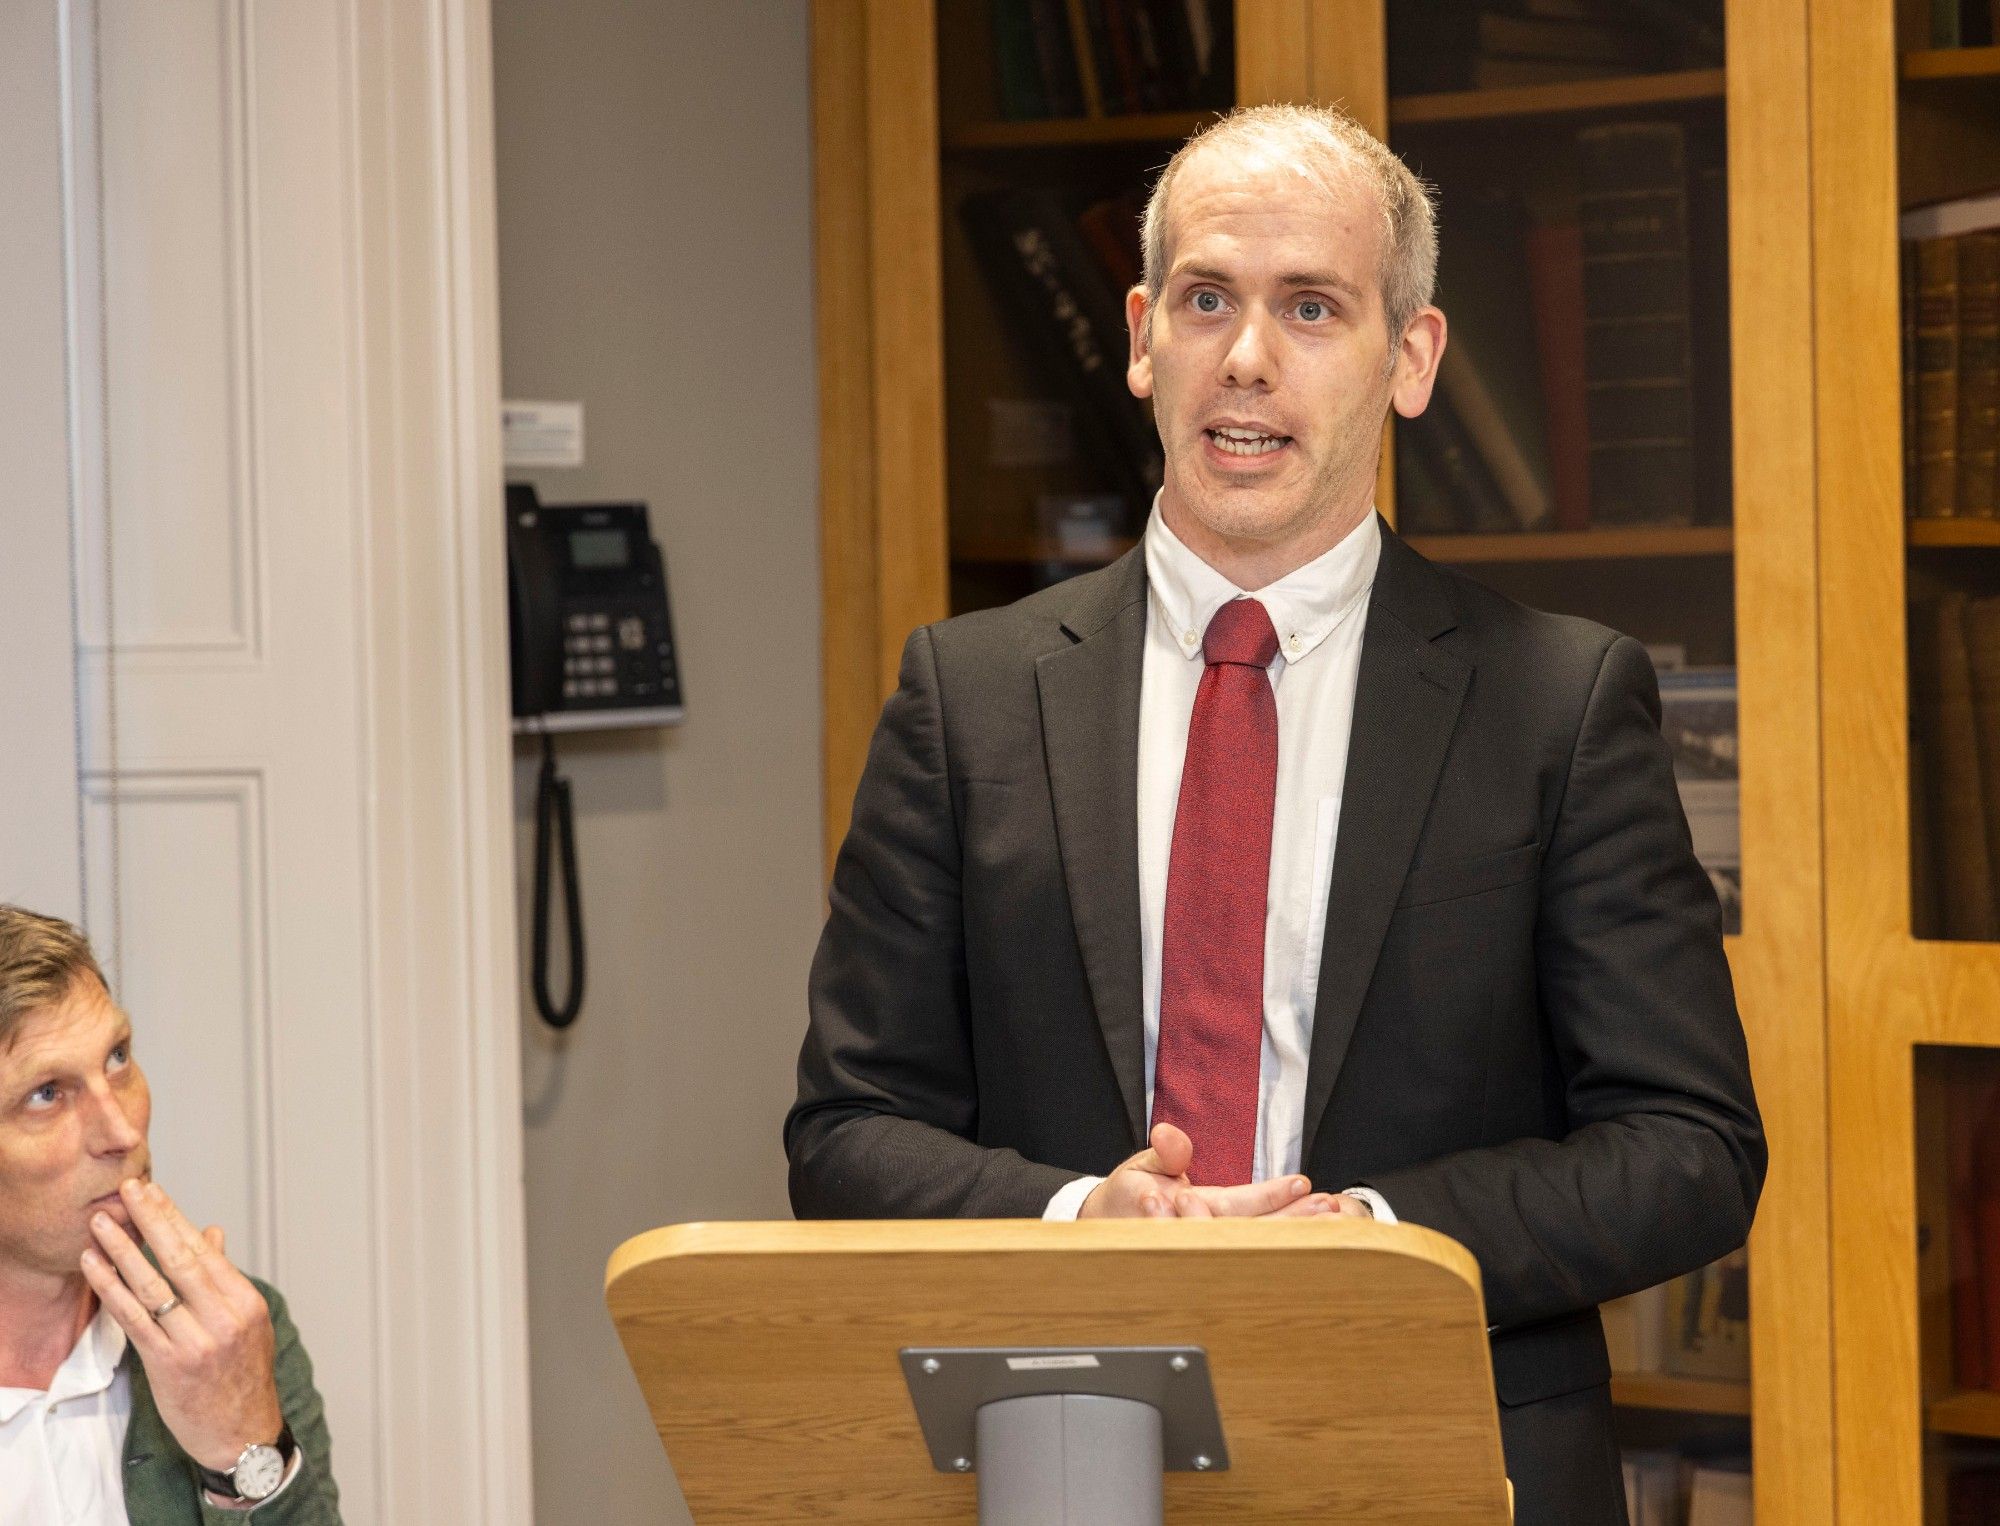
[173, 1302]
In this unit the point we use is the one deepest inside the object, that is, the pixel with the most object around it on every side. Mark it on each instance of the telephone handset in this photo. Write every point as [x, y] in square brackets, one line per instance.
[593, 641]
[593, 648]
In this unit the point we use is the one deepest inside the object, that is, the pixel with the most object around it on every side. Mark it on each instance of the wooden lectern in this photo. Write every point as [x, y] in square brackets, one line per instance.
[976, 1370]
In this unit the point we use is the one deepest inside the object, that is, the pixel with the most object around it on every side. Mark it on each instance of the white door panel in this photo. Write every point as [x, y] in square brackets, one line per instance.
[284, 467]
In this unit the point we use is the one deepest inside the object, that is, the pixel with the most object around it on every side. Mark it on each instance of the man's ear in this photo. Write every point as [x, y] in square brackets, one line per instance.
[1417, 364]
[1139, 363]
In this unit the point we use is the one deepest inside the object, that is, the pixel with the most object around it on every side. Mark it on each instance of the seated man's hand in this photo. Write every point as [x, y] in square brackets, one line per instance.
[209, 1358]
[1154, 1184]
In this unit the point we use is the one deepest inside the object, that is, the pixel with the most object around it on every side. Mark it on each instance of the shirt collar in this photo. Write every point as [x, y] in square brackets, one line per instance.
[1306, 605]
[89, 1368]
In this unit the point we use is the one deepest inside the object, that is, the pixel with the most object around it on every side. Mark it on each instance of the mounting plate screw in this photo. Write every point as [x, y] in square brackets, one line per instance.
[1203, 1463]
[1179, 1364]
[961, 1464]
[932, 1366]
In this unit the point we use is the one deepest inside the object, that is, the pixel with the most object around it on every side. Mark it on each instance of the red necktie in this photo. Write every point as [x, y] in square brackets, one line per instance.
[1218, 875]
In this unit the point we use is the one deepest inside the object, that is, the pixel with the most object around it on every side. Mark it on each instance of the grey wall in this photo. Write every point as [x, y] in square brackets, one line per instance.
[40, 861]
[656, 262]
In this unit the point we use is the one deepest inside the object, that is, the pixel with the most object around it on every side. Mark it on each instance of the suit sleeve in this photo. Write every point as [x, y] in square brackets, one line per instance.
[887, 1118]
[1665, 1156]
[311, 1498]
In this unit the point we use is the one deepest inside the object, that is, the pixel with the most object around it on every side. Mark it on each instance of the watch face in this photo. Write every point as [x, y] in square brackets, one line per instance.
[258, 1471]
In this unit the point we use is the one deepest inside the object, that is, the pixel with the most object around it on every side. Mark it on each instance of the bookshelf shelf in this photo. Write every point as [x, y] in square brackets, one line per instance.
[1614, 94]
[1524, 546]
[1578, 545]
[1076, 132]
[1955, 532]
[1688, 1396]
[1968, 1412]
[1017, 550]
[1951, 63]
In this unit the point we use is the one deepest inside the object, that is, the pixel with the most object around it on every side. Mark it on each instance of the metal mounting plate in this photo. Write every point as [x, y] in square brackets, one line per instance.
[948, 1384]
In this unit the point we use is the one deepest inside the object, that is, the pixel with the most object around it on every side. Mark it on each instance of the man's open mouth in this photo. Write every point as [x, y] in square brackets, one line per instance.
[1246, 442]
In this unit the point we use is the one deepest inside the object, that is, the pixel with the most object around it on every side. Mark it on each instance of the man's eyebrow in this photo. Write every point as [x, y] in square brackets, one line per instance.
[1290, 279]
[40, 1066]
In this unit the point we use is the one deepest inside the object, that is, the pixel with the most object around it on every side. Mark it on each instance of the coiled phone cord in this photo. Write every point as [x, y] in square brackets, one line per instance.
[553, 815]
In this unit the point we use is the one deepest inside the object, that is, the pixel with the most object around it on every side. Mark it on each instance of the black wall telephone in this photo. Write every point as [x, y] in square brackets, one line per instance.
[593, 648]
[593, 640]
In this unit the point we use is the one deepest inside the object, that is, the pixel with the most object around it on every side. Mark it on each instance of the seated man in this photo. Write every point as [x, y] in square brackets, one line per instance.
[142, 1377]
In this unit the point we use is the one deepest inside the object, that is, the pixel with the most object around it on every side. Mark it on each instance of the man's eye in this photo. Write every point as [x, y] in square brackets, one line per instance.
[1207, 302]
[46, 1095]
[119, 1058]
[1312, 311]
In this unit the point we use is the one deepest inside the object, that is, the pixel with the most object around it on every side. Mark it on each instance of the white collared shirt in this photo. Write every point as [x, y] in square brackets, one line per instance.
[1319, 612]
[62, 1450]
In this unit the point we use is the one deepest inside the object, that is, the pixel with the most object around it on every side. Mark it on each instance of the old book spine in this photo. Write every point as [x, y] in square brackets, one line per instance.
[1470, 391]
[1708, 338]
[1964, 1115]
[1937, 378]
[1942, 683]
[1057, 60]
[1474, 500]
[1112, 228]
[1978, 371]
[1080, 38]
[1062, 310]
[1984, 1186]
[1907, 268]
[1023, 95]
[1632, 207]
[1116, 59]
[1555, 288]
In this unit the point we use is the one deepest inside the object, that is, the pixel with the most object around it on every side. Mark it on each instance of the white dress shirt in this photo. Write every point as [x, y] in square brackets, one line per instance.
[61, 1450]
[1319, 612]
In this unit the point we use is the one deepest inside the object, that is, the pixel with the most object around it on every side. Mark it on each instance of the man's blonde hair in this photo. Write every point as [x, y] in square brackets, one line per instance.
[41, 960]
[1330, 148]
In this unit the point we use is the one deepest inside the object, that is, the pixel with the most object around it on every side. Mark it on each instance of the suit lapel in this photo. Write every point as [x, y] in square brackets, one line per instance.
[1406, 702]
[157, 1482]
[1089, 691]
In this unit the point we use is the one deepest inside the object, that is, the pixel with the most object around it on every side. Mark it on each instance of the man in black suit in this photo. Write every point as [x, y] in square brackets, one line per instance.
[1274, 856]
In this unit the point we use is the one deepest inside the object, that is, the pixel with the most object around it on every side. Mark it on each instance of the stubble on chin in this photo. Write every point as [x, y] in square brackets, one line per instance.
[1242, 509]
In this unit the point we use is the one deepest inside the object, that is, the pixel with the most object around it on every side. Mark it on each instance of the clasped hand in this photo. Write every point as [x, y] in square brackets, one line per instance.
[1154, 1184]
[210, 1357]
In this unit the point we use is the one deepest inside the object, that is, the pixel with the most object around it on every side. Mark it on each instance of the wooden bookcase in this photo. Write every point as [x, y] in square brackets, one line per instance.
[1803, 588]
[1895, 123]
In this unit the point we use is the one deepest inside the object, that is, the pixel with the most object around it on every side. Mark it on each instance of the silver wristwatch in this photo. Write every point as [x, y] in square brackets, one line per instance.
[259, 1469]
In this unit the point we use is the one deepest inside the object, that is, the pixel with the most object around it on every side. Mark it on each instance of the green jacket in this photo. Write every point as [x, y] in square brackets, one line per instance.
[161, 1486]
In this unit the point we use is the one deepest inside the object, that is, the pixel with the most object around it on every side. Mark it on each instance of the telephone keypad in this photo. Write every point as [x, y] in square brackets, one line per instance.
[609, 655]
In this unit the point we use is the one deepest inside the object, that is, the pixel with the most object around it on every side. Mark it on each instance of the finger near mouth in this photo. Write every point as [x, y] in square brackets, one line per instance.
[112, 1207]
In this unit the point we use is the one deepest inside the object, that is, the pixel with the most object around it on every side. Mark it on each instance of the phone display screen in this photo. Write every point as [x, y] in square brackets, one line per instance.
[599, 549]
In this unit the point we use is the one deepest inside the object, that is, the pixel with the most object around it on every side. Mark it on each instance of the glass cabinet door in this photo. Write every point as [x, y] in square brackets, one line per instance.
[1948, 309]
[1906, 154]
[1577, 456]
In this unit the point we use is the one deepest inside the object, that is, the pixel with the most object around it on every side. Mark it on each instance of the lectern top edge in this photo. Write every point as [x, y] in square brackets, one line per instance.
[841, 1237]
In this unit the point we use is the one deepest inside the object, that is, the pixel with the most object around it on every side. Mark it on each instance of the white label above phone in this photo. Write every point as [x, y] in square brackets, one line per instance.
[542, 434]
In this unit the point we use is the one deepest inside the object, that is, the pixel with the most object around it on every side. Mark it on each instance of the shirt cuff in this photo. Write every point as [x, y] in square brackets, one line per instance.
[1376, 1201]
[1068, 1201]
[244, 1507]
